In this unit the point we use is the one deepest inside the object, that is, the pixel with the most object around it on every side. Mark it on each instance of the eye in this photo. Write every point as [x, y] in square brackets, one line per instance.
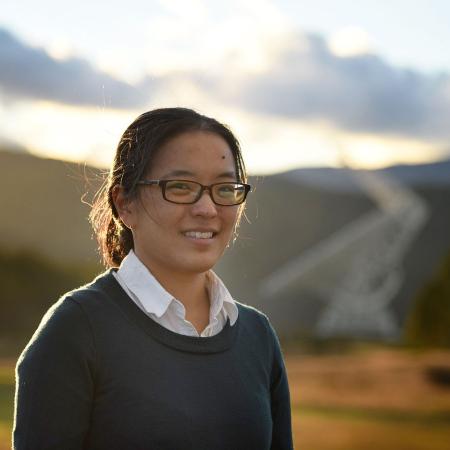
[180, 187]
[226, 190]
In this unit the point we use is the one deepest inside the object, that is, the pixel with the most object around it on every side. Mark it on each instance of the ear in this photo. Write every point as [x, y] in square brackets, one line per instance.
[124, 206]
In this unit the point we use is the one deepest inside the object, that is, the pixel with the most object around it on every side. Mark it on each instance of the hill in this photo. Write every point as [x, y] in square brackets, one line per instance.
[42, 207]
[324, 252]
[334, 252]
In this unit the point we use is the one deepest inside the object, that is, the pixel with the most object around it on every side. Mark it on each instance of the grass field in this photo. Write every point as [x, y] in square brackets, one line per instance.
[371, 399]
[366, 399]
[6, 402]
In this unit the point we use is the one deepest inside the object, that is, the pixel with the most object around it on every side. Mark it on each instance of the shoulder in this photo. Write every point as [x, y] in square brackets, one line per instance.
[259, 332]
[76, 308]
[250, 312]
[97, 289]
[65, 314]
[252, 317]
[73, 307]
[66, 328]
[64, 333]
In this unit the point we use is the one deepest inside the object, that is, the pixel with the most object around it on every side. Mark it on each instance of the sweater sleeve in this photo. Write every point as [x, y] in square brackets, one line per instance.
[55, 382]
[280, 401]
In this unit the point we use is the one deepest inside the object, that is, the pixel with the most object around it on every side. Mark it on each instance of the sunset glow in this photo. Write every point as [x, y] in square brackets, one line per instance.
[299, 87]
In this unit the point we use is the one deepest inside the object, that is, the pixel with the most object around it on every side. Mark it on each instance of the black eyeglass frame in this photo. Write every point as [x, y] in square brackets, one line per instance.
[162, 184]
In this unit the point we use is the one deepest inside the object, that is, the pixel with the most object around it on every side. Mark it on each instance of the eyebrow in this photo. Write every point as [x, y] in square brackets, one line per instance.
[187, 173]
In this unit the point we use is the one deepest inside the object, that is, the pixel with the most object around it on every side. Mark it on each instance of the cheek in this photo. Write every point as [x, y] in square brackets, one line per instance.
[231, 217]
[155, 212]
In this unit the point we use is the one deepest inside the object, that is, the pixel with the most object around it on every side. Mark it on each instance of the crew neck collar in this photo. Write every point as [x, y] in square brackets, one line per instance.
[193, 344]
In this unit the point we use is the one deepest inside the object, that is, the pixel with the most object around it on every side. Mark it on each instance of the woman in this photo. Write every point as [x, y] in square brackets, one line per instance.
[154, 353]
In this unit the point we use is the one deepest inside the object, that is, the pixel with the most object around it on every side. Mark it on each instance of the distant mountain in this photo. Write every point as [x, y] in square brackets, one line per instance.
[42, 208]
[327, 243]
[432, 174]
[8, 145]
[316, 242]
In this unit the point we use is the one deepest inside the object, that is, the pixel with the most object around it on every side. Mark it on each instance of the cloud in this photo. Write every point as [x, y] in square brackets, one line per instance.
[362, 93]
[295, 76]
[31, 73]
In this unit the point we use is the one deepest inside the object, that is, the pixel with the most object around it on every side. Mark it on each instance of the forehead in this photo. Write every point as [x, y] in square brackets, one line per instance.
[199, 153]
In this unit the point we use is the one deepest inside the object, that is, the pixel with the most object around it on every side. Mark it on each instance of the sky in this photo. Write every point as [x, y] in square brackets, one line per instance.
[301, 83]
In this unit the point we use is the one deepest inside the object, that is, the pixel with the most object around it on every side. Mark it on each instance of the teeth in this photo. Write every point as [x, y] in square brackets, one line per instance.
[199, 234]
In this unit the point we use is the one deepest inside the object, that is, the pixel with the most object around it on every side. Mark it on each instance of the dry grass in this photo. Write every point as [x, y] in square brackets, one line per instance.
[6, 402]
[380, 399]
[387, 379]
[330, 433]
[5, 436]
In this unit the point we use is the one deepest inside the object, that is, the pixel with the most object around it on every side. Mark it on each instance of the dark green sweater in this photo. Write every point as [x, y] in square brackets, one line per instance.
[99, 374]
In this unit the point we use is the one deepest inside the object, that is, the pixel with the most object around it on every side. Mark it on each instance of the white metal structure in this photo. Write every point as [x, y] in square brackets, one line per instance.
[357, 270]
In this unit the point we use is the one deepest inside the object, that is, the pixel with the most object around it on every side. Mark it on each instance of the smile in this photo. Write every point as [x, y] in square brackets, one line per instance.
[199, 234]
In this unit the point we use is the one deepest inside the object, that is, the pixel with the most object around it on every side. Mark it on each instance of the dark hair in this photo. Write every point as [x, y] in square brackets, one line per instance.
[137, 147]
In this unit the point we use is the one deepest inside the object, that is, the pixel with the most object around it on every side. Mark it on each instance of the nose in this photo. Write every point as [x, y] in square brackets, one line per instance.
[205, 206]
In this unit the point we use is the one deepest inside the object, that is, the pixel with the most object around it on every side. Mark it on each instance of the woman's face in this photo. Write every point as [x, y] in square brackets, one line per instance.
[164, 232]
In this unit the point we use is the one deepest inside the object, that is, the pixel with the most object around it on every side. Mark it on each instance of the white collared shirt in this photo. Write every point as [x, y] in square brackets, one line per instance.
[145, 290]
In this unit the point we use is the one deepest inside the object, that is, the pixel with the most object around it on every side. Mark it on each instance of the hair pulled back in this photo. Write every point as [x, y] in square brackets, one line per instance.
[135, 152]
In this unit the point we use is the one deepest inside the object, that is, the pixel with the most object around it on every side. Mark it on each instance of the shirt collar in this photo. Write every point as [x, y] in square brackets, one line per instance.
[140, 281]
[155, 299]
[221, 298]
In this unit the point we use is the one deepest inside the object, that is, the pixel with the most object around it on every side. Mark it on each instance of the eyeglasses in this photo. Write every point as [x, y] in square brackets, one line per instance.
[188, 192]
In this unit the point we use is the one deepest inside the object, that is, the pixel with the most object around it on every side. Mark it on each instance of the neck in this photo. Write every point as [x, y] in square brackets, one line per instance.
[190, 288]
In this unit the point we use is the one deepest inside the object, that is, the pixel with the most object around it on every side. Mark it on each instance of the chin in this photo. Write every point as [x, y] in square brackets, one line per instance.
[200, 265]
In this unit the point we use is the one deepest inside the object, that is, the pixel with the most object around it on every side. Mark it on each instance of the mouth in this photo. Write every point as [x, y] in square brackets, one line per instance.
[200, 234]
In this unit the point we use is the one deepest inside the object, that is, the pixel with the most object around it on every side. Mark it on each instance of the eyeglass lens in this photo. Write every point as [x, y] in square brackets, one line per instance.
[187, 192]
